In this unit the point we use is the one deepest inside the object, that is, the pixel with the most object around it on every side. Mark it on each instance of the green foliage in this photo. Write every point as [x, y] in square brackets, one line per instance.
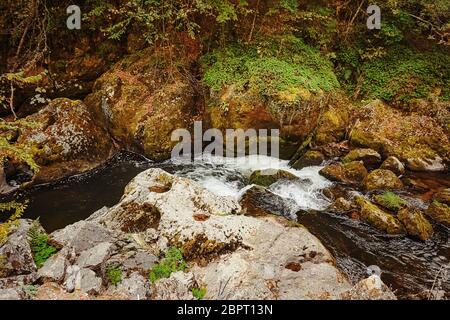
[390, 201]
[16, 210]
[172, 262]
[40, 247]
[199, 293]
[114, 275]
[272, 66]
[403, 74]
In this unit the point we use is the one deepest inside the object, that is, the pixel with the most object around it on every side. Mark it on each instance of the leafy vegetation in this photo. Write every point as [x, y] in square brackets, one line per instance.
[16, 210]
[199, 293]
[280, 64]
[390, 201]
[40, 247]
[172, 262]
[114, 275]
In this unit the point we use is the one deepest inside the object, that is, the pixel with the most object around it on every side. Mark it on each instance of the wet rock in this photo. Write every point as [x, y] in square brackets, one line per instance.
[5, 188]
[66, 139]
[369, 157]
[310, 158]
[340, 205]
[135, 286]
[414, 139]
[94, 257]
[177, 287]
[54, 269]
[267, 177]
[81, 235]
[382, 179]
[258, 201]
[439, 212]
[141, 101]
[393, 164]
[378, 218]
[415, 223]
[371, 288]
[443, 196]
[17, 257]
[351, 173]
[88, 282]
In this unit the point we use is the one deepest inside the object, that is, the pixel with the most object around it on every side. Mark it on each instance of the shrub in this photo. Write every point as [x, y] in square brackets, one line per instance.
[16, 209]
[172, 262]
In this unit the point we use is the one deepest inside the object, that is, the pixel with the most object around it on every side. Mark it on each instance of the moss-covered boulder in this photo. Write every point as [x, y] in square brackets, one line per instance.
[379, 218]
[416, 140]
[65, 139]
[352, 173]
[415, 223]
[141, 100]
[382, 179]
[310, 158]
[393, 164]
[443, 196]
[439, 212]
[390, 201]
[267, 177]
[277, 83]
[332, 126]
[368, 156]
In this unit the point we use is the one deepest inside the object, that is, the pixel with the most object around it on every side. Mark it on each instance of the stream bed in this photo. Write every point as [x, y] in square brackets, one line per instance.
[408, 266]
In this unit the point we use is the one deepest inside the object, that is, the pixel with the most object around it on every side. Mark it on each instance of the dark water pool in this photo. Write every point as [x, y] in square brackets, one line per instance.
[408, 266]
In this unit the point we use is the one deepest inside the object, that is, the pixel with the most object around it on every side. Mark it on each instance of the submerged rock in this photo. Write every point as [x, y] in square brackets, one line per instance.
[378, 218]
[382, 179]
[352, 173]
[393, 164]
[369, 157]
[258, 201]
[415, 222]
[267, 177]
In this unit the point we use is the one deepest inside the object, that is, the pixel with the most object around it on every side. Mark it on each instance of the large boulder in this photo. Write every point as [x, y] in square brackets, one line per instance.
[310, 158]
[259, 257]
[65, 139]
[416, 140]
[352, 173]
[393, 164]
[141, 100]
[379, 218]
[382, 179]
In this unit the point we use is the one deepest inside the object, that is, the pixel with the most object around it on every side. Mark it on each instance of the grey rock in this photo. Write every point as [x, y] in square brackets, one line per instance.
[88, 282]
[177, 287]
[82, 235]
[136, 286]
[17, 257]
[54, 269]
[371, 288]
[95, 256]
[140, 261]
[72, 277]
[11, 294]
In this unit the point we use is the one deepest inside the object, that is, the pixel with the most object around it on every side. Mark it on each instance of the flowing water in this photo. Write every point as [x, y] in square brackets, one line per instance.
[407, 265]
